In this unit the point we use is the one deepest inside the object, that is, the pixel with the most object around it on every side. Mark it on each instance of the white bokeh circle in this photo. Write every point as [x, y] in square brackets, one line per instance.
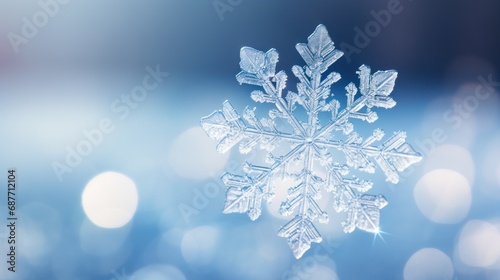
[479, 244]
[443, 196]
[428, 264]
[199, 244]
[110, 200]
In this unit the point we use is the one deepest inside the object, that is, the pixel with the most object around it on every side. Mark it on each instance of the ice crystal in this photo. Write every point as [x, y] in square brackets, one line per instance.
[309, 142]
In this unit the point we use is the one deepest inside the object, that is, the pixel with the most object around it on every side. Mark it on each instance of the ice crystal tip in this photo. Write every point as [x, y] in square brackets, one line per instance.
[306, 145]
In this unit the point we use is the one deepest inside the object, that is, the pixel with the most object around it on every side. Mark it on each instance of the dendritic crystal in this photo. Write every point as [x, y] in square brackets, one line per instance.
[304, 150]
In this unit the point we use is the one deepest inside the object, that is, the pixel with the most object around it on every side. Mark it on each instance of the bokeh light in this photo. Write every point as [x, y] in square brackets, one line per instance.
[280, 191]
[110, 200]
[323, 272]
[479, 244]
[199, 244]
[428, 264]
[40, 232]
[452, 157]
[193, 155]
[158, 272]
[119, 213]
[443, 196]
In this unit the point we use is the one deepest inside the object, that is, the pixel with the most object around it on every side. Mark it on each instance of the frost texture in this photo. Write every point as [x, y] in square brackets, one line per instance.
[309, 143]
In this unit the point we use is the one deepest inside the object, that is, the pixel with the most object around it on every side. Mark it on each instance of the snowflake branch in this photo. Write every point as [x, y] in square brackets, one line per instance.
[375, 90]
[283, 107]
[229, 128]
[303, 195]
[363, 210]
[244, 194]
[392, 156]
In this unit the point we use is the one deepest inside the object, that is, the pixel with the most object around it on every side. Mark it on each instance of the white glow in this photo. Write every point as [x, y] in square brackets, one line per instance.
[171, 238]
[39, 230]
[281, 191]
[281, 187]
[110, 200]
[36, 244]
[193, 155]
[159, 272]
[452, 157]
[443, 196]
[322, 272]
[269, 250]
[428, 264]
[256, 248]
[198, 245]
[479, 244]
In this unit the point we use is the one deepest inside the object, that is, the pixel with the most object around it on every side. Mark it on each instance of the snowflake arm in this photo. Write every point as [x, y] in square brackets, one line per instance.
[229, 128]
[259, 68]
[375, 90]
[245, 193]
[301, 231]
[393, 156]
[362, 209]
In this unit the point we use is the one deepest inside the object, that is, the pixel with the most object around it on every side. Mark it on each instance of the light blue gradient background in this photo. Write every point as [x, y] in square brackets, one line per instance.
[65, 79]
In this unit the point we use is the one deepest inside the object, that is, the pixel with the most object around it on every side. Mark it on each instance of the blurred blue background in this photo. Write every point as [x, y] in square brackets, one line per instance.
[73, 73]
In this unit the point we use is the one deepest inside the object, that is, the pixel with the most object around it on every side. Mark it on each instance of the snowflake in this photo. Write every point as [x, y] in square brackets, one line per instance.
[309, 144]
